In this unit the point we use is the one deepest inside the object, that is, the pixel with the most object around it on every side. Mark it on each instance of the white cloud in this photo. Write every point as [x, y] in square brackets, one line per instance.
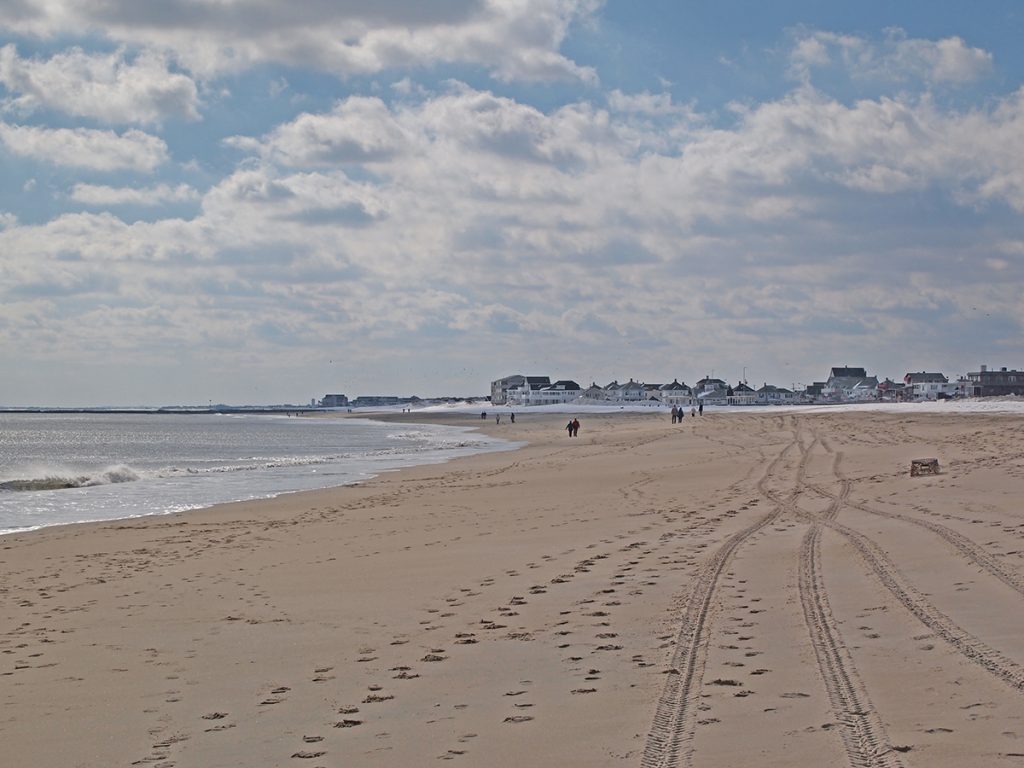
[103, 86]
[897, 58]
[85, 147]
[459, 219]
[7, 220]
[514, 39]
[98, 195]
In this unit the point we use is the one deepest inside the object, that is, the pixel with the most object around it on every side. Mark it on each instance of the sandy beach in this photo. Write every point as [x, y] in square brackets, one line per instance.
[770, 589]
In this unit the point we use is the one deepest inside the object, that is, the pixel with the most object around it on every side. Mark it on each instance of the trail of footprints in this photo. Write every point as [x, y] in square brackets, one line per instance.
[583, 631]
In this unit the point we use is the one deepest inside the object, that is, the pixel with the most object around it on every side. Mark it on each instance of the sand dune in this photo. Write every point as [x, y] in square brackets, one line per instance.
[765, 589]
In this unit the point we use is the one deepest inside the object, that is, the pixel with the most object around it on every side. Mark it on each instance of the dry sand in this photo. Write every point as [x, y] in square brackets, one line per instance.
[738, 590]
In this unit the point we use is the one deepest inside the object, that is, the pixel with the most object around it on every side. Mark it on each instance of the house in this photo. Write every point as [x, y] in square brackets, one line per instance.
[986, 383]
[594, 392]
[845, 383]
[501, 387]
[769, 394]
[708, 385]
[890, 391]
[927, 386]
[564, 391]
[630, 392]
[676, 393]
[334, 401]
[652, 392]
[742, 394]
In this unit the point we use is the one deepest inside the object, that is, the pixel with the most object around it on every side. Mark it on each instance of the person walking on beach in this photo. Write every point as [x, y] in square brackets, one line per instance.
[568, 428]
[675, 414]
[701, 407]
[512, 418]
[575, 427]
[497, 419]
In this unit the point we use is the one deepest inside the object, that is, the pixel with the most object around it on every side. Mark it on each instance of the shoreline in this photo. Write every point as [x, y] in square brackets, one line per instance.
[411, 459]
[529, 607]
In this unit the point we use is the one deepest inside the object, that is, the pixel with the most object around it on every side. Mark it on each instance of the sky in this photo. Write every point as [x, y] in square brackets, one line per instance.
[250, 201]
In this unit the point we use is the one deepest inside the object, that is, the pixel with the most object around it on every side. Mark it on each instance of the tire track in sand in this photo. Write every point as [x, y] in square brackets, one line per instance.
[864, 736]
[969, 549]
[912, 599]
[670, 740]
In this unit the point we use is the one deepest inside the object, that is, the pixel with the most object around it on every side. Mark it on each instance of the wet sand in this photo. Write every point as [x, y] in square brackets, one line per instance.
[738, 590]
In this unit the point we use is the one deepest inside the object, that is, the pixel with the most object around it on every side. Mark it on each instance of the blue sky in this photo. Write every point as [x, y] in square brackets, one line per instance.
[246, 202]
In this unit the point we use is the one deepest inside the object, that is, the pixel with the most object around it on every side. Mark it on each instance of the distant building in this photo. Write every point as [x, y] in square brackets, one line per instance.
[769, 394]
[845, 383]
[500, 388]
[334, 401]
[676, 393]
[891, 391]
[741, 394]
[927, 386]
[986, 383]
[564, 391]
[375, 401]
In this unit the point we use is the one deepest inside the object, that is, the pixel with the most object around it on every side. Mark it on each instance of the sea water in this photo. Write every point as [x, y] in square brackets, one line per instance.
[70, 468]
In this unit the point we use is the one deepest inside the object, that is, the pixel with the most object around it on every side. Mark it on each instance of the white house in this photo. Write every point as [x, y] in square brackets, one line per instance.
[676, 393]
[772, 395]
[742, 394]
[565, 391]
[928, 386]
[845, 383]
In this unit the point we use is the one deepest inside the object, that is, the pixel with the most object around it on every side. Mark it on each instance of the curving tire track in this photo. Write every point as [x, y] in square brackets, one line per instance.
[864, 737]
[969, 549]
[913, 600]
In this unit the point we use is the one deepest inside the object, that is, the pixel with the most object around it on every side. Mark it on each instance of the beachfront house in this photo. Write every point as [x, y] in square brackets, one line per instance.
[676, 393]
[501, 388]
[564, 391]
[927, 386]
[652, 392]
[850, 384]
[594, 392]
[769, 394]
[630, 392]
[742, 394]
[711, 391]
[986, 383]
[334, 401]
[891, 391]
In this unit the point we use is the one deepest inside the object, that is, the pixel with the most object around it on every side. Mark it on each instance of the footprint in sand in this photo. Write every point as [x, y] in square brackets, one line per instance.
[518, 718]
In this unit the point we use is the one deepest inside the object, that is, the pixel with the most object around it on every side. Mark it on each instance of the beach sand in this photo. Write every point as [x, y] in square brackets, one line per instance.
[770, 589]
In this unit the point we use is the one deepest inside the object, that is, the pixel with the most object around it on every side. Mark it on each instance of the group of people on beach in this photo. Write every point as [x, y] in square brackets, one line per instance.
[573, 428]
[679, 413]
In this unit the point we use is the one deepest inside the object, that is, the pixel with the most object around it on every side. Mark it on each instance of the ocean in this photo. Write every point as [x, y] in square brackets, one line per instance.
[72, 468]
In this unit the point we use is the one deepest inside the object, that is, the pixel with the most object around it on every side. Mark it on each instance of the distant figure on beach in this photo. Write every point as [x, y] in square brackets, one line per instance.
[693, 412]
[568, 428]
[575, 427]
[675, 414]
[497, 419]
[701, 407]
[512, 417]
[483, 414]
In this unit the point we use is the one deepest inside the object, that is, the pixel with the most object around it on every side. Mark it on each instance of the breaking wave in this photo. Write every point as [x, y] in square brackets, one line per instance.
[59, 481]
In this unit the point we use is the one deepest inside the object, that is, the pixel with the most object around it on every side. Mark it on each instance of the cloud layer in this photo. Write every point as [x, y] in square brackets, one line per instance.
[515, 39]
[447, 233]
